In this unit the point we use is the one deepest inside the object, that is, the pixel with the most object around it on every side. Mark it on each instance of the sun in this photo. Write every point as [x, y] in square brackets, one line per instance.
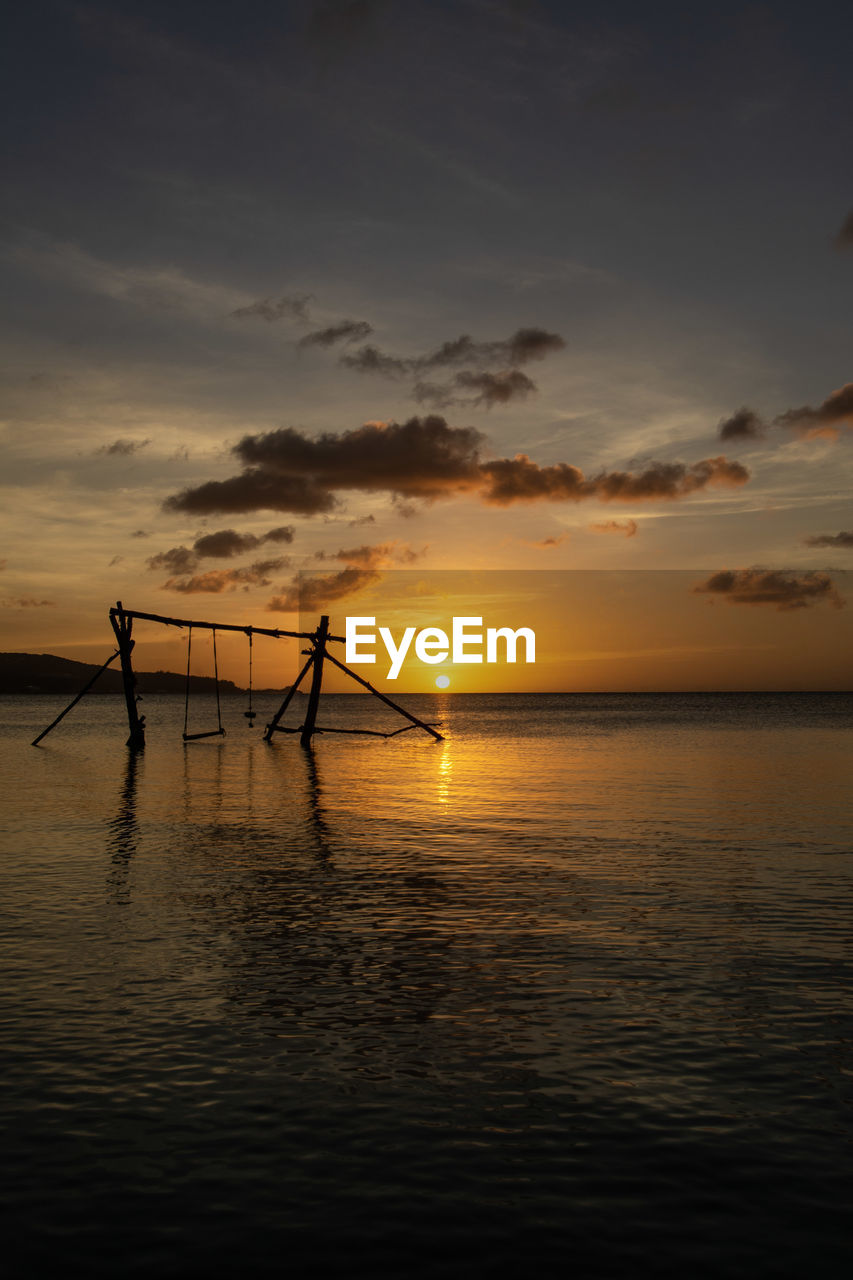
[442, 682]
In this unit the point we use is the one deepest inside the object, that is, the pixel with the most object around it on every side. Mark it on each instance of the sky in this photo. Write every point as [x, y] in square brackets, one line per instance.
[350, 288]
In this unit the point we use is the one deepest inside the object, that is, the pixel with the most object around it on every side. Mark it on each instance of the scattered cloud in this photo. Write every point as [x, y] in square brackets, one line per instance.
[370, 359]
[627, 528]
[255, 489]
[551, 542]
[844, 238]
[836, 410]
[742, 425]
[115, 560]
[28, 602]
[216, 581]
[360, 520]
[344, 331]
[140, 533]
[496, 388]
[287, 470]
[294, 307]
[519, 479]
[175, 560]
[524, 345]
[123, 448]
[221, 545]
[808, 423]
[425, 458]
[312, 593]
[781, 589]
[226, 543]
[843, 539]
[487, 388]
[372, 557]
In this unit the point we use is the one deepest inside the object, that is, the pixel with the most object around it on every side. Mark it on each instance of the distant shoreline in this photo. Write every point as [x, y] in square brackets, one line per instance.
[33, 675]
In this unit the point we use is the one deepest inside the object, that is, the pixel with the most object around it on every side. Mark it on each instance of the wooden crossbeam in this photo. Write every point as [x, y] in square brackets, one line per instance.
[275, 632]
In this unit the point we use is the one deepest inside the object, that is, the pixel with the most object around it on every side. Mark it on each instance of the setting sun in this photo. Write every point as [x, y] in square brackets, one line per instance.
[442, 682]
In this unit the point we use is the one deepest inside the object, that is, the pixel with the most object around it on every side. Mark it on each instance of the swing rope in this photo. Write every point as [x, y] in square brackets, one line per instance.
[187, 687]
[209, 733]
[216, 681]
[250, 713]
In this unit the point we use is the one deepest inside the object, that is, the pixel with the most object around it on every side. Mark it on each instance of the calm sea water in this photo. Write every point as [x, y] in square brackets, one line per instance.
[566, 994]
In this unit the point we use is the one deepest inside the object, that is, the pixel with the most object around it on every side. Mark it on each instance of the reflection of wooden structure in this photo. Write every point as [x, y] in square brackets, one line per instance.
[122, 619]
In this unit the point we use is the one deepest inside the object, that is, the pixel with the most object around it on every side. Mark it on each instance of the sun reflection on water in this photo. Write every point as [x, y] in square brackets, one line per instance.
[444, 772]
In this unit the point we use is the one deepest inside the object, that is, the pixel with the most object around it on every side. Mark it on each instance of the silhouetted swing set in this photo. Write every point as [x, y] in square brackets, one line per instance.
[122, 619]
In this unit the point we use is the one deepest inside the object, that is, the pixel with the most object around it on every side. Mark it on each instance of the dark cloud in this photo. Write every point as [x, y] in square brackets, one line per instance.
[140, 533]
[843, 539]
[345, 331]
[496, 388]
[175, 560]
[524, 345]
[488, 389]
[282, 533]
[743, 425]
[311, 594]
[779, 588]
[294, 307]
[360, 520]
[123, 448]
[425, 458]
[670, 480]
[216, 581]
[532, 344]
[844, 239]
[807, 422]
[253, 490]
[627, 528]
[836, 410]
[226, 543]
[419, 458]
[520, 480]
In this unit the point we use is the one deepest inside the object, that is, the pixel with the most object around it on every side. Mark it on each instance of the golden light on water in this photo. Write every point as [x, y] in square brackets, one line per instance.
[445, 772]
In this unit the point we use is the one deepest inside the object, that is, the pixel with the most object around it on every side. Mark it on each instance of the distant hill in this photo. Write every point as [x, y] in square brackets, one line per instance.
[46, 673]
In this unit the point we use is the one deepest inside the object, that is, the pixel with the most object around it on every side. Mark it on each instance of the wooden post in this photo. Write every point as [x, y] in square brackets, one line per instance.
[122, 626]
[316, 680]
[382, 698]
[272, 727]
[84, 690]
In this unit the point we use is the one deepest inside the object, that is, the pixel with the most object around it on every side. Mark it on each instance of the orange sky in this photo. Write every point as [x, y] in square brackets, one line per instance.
[502, 314]
[618, 630]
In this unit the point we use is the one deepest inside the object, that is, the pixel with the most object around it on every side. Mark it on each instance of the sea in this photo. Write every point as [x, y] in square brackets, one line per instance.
[567, 993]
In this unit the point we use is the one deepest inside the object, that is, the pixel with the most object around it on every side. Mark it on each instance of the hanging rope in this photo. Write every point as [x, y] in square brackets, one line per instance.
[209, 733]
[216, 681]
[250, 714]
[187, 687]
